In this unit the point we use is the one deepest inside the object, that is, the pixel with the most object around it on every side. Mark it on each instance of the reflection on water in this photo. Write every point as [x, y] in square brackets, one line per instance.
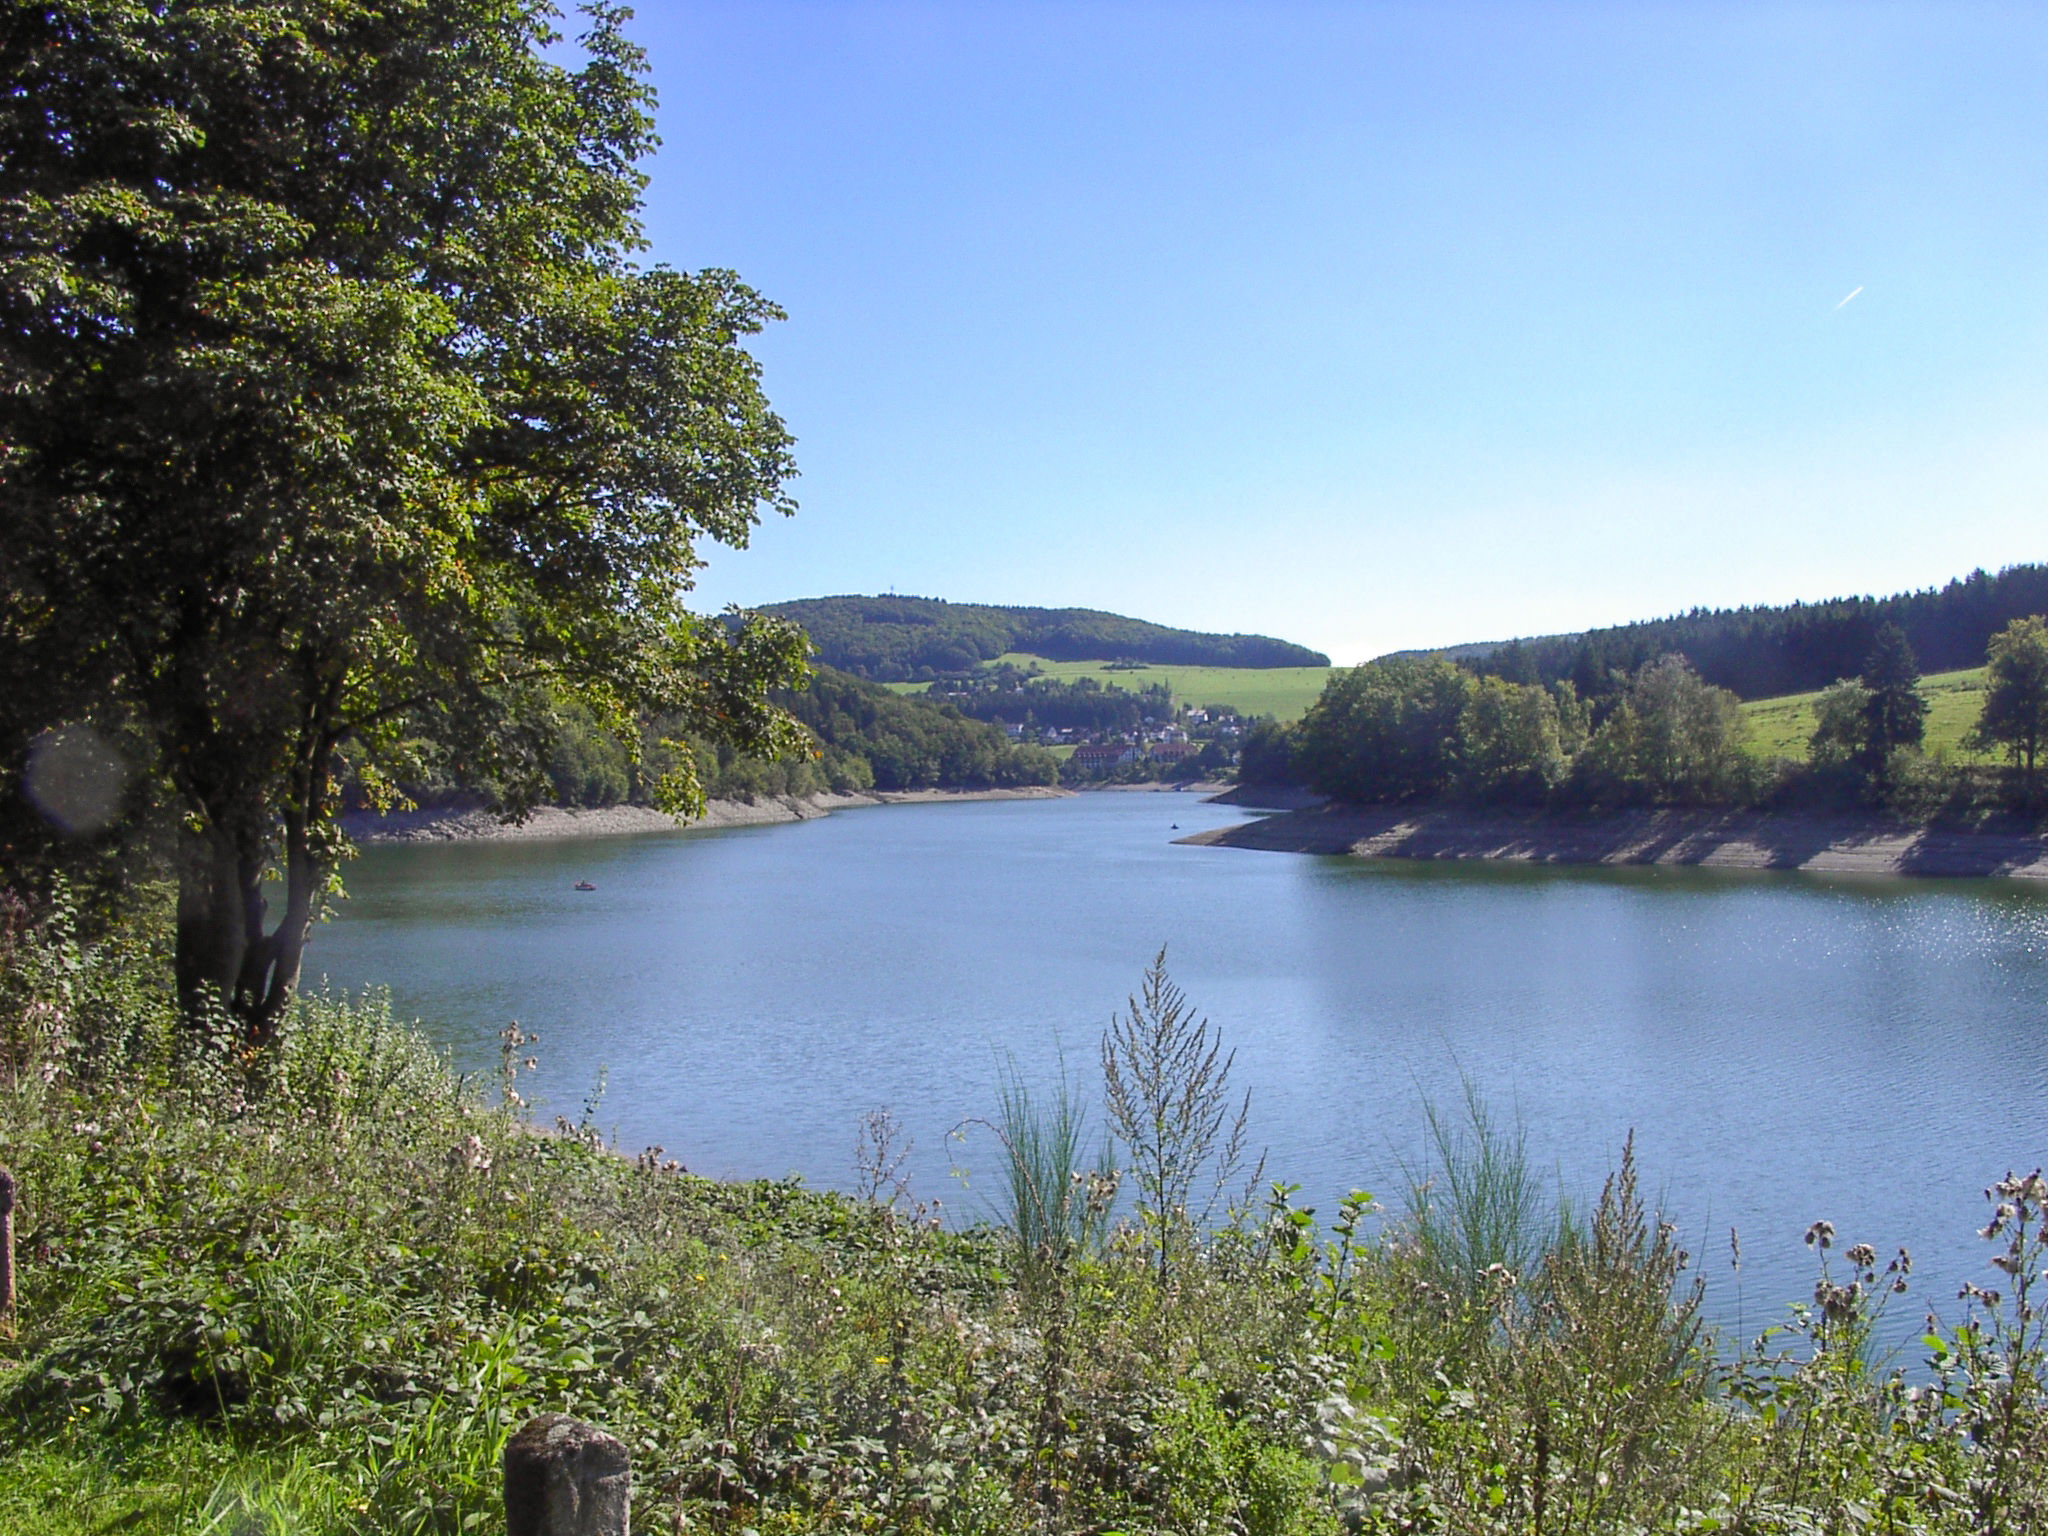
[1785, 1047]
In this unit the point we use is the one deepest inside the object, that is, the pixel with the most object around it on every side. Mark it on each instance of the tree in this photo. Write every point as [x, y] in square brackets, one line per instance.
[1389, 730]
[1511, 741]
[335, 412]
[1268, 754]
[1674, 738]
[2015, 712]
[1841, 732]
[1895, 714]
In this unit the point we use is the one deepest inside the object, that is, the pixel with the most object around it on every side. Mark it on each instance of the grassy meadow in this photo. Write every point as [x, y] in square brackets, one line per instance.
[1282, 692]
[1782, 727]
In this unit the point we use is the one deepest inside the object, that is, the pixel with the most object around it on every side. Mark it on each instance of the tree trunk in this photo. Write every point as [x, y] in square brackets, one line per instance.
[226, 959]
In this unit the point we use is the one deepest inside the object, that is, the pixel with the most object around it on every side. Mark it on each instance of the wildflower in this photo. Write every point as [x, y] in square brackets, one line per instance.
[1837, 1302]
[1863, 1256]
[471, 1155]
[1821, 1232]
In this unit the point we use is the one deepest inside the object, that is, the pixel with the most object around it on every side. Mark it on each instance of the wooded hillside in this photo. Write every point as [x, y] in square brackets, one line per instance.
[1760, 653]
[900, 639]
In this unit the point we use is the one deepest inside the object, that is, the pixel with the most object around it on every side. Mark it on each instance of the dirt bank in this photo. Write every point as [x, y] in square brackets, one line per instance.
[625, 820]
[1712, 839]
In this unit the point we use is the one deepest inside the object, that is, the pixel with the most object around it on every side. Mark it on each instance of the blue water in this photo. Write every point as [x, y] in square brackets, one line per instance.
[1785, 1047]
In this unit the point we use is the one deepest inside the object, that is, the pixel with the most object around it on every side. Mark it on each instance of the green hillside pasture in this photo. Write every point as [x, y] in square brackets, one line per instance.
[1283, 692]
[1782, 727]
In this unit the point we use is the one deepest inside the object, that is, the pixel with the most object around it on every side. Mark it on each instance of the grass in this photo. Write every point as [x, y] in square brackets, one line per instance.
[1282, 692]
[1783, 727]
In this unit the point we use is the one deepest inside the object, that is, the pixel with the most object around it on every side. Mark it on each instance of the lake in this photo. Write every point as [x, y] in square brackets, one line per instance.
[1785, 1047]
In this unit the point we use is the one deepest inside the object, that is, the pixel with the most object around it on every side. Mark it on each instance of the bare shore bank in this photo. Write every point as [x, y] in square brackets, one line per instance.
[1709, 839]
[549, 822]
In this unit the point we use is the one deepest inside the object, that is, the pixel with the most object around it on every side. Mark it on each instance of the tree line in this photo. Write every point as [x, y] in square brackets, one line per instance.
[1764, 652]
[1010, 696]
[860, 735]
[910, 639]
[1410, 728]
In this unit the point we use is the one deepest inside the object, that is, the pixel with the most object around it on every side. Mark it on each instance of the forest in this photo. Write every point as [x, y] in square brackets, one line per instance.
[1415, 728]
[861, 737]
[1761, 652]
[916, 639]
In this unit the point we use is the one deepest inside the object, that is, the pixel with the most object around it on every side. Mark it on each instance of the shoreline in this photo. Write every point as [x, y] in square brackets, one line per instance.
[550, 822]
[1707, 839]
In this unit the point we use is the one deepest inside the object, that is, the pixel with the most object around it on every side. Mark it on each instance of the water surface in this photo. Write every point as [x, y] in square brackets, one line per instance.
[1785, 1047]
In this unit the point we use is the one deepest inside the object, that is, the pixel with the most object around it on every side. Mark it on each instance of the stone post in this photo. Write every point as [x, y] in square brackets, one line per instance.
[565, 1478]
[6, 1249]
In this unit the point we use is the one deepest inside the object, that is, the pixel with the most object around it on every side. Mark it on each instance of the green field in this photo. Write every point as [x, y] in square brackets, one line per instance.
[1778, 727]
[1782, 727]
[1283, 692]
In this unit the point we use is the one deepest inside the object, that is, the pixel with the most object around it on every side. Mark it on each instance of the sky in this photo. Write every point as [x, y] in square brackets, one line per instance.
[1375, 326]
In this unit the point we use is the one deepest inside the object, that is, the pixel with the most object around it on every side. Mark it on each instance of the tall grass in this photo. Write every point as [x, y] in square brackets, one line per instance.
[1475, 1210]
[1057, 1197]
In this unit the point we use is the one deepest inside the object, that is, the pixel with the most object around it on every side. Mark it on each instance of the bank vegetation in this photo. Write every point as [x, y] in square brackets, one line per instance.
[314, 1289]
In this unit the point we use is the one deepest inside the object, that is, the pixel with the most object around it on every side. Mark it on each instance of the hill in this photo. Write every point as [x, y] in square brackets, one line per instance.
[1768, 652]
[1783, 726]
[904, 639]
[1282, 692]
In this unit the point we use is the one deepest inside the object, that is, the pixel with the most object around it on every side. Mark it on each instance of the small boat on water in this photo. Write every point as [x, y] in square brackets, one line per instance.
[585, 885]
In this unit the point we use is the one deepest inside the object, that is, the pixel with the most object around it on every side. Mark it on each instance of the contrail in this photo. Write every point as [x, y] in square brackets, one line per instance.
[1858, 289]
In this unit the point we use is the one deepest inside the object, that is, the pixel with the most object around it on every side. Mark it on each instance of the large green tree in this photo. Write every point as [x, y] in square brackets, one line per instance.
[2015, 712]
[1895, 712]
[1389, 730]
[337, 413]
[1673, 739]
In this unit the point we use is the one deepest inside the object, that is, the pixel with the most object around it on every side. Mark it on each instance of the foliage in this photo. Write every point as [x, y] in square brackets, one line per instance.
[1513, 740]
[1412, 728]
[1055, 1199]
[337, 413]
[1760, 653]
[893, 639]
[914, 743]
[2015, 712]
[1389, 730]
[318, 1296]
[1474, 1212]
[1841, 729]
[1894, 713]
[1166, 1090]
[1673, 739]
[1267, 756]
[1010, 697]
[325, 1295]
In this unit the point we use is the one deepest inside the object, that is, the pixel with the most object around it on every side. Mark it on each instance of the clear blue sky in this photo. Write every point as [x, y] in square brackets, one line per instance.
[1377, 326]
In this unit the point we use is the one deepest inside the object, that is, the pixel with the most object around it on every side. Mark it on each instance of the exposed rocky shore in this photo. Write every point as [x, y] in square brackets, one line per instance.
[462, 824]
[1711, 839]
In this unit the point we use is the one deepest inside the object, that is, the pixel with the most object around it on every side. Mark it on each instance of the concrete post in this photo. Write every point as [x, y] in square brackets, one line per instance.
[565, 1478]
[6, 1249]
